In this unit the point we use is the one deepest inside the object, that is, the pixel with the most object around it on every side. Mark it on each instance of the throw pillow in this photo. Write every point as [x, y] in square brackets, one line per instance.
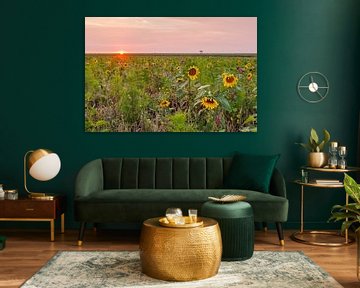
[251, 172]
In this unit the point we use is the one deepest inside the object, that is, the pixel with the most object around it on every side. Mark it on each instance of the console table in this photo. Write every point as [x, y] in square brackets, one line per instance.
[297, 235]
[27, 209]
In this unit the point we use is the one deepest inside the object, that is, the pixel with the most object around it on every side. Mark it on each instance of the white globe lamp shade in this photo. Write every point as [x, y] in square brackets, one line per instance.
[44, 164]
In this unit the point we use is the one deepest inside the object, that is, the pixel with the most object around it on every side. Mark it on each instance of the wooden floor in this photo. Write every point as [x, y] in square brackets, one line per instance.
[28, 250]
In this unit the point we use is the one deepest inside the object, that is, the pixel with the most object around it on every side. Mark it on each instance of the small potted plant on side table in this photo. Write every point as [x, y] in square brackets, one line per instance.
[317, 157]
[350, 214]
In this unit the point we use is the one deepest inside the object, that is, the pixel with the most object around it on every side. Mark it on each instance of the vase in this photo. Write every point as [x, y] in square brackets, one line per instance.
[317, 159]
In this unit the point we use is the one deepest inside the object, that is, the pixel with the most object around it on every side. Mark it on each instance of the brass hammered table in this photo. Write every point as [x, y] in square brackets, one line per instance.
[180, 254]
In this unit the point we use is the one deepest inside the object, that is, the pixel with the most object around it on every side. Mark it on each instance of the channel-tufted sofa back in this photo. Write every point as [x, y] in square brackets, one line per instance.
[164, 173]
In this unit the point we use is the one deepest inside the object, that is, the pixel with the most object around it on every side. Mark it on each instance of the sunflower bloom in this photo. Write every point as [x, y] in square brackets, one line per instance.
[248, 66]
[164, 103]
[209, 103]
[193, 72]
[229, 80]
[249, 76]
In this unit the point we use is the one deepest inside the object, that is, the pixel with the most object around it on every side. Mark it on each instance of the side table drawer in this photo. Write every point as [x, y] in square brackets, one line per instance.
[31, 209]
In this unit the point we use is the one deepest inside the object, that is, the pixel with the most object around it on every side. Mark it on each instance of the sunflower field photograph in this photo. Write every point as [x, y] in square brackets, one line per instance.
[170, 74]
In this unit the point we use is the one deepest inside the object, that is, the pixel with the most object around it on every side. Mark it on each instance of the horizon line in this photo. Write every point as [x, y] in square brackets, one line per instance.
[172, 54]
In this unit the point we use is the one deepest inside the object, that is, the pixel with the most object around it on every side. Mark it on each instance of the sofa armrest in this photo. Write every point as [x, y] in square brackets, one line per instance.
[89, 179]
[277, 184]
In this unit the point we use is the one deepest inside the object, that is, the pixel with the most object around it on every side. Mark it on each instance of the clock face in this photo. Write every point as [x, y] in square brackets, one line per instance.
[313, 87]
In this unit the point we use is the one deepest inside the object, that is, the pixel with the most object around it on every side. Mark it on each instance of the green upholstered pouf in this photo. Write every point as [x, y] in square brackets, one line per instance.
[236, 221]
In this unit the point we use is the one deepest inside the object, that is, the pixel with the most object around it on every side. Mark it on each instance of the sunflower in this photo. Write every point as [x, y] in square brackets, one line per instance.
[229, 80]
[193, 72]
[248, 66]
[249, 76]
[209, 103]
[164, 103]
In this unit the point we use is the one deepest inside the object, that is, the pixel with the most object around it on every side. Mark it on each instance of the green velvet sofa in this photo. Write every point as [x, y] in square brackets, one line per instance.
[130, 190]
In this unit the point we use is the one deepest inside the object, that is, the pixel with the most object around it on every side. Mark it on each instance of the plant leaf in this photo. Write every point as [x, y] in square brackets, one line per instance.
[352, 188]
[249, 119]
[321, 146]
[314, 135]
[306, 146]
[346, 225]
[326, 136]
[224, 103]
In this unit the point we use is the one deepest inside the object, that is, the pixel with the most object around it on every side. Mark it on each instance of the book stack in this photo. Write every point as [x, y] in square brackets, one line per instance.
[327, 181]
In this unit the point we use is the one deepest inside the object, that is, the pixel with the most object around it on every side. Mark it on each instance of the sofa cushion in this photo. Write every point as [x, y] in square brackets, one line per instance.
[251, 172]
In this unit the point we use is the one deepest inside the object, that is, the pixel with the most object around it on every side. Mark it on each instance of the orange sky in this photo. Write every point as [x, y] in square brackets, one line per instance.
[171, 34]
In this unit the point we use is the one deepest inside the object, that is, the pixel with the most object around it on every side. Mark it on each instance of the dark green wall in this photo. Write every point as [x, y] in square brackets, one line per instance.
[42, 88]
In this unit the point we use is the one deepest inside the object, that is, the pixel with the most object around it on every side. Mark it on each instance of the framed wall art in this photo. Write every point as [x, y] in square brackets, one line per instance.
[170, 74]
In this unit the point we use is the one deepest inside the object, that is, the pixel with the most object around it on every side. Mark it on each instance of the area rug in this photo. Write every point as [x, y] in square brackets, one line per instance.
[80, 269]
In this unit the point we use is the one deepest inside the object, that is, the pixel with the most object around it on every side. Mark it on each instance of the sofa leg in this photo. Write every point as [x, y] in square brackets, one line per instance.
[280, 233]
[81, 233]
[265, 227]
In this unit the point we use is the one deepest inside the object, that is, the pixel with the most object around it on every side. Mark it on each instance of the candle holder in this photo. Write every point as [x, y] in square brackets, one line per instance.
[333, 149]
[342, 153]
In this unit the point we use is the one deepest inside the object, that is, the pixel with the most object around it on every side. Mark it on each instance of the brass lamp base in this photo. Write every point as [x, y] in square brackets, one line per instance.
[41, 196]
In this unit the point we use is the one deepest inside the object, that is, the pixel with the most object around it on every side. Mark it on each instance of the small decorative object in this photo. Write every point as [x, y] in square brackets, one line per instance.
[11, 194]
[342, 153]
[313, 87]
[228, 198]
[193, 215]
[316, 158]
[43, 165]
[333, 148]
[2, 192]
[304, 176]
[173, 215]
[349, 213]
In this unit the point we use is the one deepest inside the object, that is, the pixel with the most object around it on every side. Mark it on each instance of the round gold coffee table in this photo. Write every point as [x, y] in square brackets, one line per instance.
[180, 254]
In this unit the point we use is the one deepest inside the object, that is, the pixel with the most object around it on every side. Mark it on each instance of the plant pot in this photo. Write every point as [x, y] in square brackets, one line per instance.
[317, 159]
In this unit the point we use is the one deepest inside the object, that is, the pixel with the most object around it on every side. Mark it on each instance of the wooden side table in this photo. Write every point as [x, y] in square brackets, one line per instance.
[27, 209]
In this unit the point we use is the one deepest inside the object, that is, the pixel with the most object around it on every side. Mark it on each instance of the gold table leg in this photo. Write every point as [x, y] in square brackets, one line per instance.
[63, 223]
[52, 230]
[295, 236]
[346, 230]
[302, 210]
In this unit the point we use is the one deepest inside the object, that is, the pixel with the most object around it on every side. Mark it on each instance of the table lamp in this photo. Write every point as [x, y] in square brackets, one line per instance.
[43, 165]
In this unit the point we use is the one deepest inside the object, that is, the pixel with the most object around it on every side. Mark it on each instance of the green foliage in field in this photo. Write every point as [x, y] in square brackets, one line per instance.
[163, 93]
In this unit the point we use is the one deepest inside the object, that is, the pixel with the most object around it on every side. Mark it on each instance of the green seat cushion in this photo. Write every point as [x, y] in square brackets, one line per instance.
[266, 207]
[251, 172]
[219, 210]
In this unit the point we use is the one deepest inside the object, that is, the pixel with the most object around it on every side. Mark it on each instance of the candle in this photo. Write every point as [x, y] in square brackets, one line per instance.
[333, 144]
[342, 149]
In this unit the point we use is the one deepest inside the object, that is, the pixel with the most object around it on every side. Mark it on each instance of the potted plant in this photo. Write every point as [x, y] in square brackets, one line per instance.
[317, 157]
[350, 214]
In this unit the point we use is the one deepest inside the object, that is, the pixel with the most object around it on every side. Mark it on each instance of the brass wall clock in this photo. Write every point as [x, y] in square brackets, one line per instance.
[313, 87]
